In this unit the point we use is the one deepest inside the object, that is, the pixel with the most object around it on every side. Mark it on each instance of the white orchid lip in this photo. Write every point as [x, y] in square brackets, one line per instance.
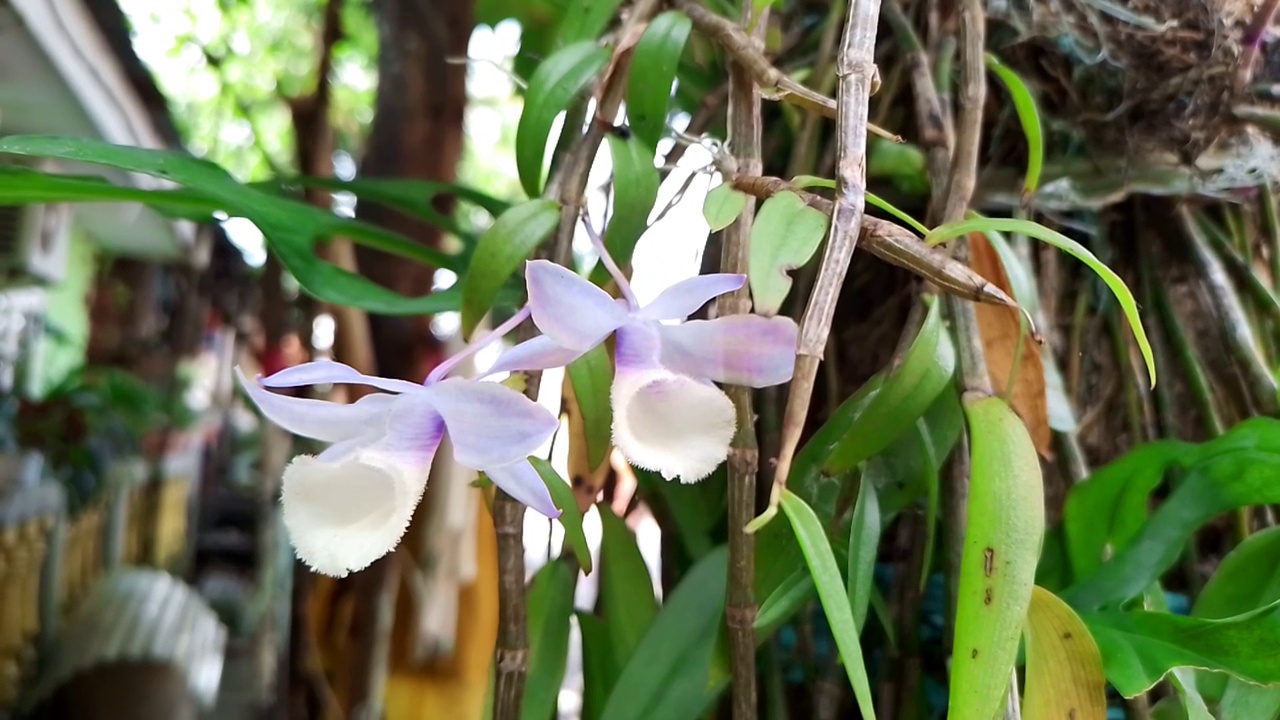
[668, 416]
[671, 424]
[341, 516]
[350, 505]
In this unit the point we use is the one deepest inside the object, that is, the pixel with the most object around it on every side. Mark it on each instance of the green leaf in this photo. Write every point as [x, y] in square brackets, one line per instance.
[904, 396]
[1064, 667]
[411, 197]
[786, 233]
[1237, 469]
[792, 594]
[668, 676]
[1139, 647]
[804, 181]
[1025, 105]
[832, 593]
[723, 205]
[550, 606]
[693, 508]
[635, 189]
[570, 516]
[1248, 578]
[1112, 504]
[864, 538]
[600, 667]
[554, 85]
[626, 589]
[903, 164]
[1071, 247]
[585, 20]
[291, 228]
[592, 378]
[501, 251]
[653, 69]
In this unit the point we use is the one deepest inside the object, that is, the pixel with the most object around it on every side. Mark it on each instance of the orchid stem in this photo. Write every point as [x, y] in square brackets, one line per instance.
[443, 369]
[607, 260]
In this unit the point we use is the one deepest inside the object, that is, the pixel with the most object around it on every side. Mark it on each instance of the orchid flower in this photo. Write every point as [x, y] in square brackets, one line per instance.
[351, 504]
[668, 416]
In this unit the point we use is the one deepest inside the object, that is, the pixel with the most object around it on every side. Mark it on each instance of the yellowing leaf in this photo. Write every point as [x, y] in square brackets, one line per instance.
[1065, 679]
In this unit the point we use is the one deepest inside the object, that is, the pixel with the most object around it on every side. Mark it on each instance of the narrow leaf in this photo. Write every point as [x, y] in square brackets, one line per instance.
[832, 593]
[1065, 678]
[1025, 105]
[600, 668]
[1033, 229]
[626, 589]
[653, 69]
[722, 206]
[864, 538]
[635, 190]
[570, 516]
[585, 20]
[785, 235]
[906, 393]
[550, 607]
[291, 228]
[592, 378]
[669, 673]
[554, 85]
[806, 181]
[785, 601]
[502, 251]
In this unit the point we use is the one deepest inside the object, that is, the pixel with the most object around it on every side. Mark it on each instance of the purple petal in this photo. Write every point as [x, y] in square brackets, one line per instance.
[638, 346]
[324, 372]
[318, 419]
[685, 297]
[522, 482]
[353, 503]
[749, 350]
[539, 353]
[568, 308]
[489, 424]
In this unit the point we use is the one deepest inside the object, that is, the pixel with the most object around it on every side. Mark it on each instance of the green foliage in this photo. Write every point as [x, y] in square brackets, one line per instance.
[1029, 116]
[1238, 469]
[635, 189]
[1139, 648]
[785, 235]
[723, 205]
[831, 590]
[864, 538]
[626, 591]
[550, 607]
[592, 377]
[553, 86]
[903, 397]
[502, 251]
[1032, 229]
[653, 69]
[291, 228]
[667, 675]
[570, 516]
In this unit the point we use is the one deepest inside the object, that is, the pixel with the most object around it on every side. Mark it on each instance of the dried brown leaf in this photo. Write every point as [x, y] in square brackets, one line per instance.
[1001, 329]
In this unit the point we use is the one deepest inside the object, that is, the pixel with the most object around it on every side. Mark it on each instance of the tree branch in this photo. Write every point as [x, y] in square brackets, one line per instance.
[855, 67]
[744, 457]
[774, 84]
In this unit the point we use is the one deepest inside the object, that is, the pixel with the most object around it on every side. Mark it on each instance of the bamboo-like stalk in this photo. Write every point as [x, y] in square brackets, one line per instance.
[1240, 338]
[773, 83]
[855, 67]
[745, 129]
